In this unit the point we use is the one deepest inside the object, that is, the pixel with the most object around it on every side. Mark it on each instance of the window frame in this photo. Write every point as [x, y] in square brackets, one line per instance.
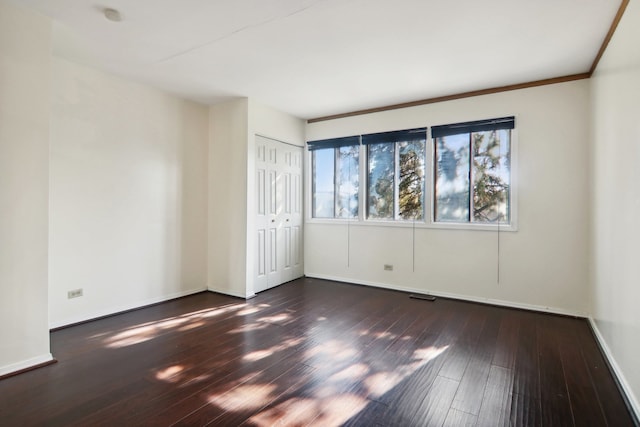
[512, 225]
[396, 183]
[333, 144]
[428, 219]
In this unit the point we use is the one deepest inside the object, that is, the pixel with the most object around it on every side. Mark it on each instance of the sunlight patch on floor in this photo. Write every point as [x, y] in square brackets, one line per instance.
[345, 380]
[190, 326]
[261, 354]
[244, 397]
[331, 411]
[249, 327]
[132, 336]
[248, 310]
[381, 382]
[170, 374]
[222, 310]
[330, 404]
[385, 335]
[253, 309]
[333, 350]
[334, 411]
[149, 330]
[295, 411]
[425, 355]
[339, 365]
[277, 318]
[352, 373]
[283, 318]
[195, 380]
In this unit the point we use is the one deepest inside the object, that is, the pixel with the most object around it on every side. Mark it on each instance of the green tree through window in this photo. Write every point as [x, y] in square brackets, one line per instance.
[395, 174]
[411, 187]
[491, 177]
[473, 177]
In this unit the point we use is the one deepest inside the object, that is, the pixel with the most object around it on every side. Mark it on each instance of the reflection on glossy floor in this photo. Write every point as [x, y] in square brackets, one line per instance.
[314, 352]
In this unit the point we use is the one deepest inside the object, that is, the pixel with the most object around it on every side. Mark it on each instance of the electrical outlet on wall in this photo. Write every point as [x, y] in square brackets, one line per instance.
[388, 267]
[75, 293]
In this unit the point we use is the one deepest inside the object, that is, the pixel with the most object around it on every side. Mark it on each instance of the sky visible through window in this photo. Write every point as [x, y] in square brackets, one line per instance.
[323, 194]
[336, 182]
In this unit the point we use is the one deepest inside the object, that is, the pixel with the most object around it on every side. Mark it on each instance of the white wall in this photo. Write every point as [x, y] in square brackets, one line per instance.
[616, 200]
[275, 124]
[128, 194]
[543, 265]
[25, 43]
[234, 125]
[228, 197]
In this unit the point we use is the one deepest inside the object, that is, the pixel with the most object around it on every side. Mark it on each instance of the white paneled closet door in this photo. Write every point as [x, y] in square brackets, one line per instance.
[279, 213]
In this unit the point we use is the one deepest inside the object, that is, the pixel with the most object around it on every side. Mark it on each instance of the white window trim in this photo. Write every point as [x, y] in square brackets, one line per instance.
[363, 190]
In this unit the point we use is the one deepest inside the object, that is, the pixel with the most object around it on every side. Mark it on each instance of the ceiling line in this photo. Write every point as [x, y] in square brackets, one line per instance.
[239, 30]
[607, 39]
[580, 76]
[470, 94]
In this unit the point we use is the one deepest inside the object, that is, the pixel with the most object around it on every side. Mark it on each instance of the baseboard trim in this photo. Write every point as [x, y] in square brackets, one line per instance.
[627, 393]
[489, 301]
[103, 314]
[230, 294]
[26, 365]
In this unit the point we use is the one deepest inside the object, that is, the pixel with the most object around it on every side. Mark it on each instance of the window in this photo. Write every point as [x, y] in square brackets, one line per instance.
[335, 177]
[395, 174]
[463, 179]
[473, 171]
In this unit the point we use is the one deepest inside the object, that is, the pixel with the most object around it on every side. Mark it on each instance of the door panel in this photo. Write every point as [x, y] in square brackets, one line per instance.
[287, 247]
[263, 204]
[261, 189]
[295, 216]
[262, 254]
[287, 193]
[279, 213]
[273, 192]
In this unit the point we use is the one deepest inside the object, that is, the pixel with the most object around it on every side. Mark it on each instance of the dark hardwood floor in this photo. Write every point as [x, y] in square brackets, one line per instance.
[314, 352]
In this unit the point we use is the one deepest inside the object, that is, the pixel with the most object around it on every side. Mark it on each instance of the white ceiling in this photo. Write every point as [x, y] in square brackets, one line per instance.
[313, 58]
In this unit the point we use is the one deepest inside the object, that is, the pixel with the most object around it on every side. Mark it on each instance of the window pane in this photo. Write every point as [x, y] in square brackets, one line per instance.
[347, 182]
[411, 187]
[323, 182]
[381, 159]
[452, 178]
[491, 175]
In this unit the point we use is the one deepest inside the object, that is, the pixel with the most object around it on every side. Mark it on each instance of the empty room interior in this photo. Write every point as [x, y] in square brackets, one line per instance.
[319, 212]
